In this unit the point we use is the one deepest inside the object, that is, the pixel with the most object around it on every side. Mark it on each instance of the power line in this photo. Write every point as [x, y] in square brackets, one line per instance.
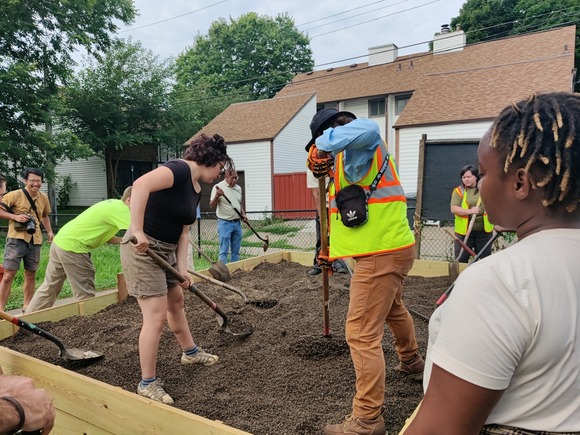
[571, 12]
[171, 18]
[374, 19]
[352, 16]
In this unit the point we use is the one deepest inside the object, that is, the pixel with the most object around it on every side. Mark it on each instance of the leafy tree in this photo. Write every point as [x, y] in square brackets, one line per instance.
[120, 101]
[248, 58]
[488, 19]
[37, 39]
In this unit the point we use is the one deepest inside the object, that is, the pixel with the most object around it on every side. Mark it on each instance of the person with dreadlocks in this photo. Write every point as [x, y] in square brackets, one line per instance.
[504, 350]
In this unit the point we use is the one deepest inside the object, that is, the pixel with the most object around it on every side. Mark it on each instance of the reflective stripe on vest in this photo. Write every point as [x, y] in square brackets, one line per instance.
[461, 222]
[387, 228]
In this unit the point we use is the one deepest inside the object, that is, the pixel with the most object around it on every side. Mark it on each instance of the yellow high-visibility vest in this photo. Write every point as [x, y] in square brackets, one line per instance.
[462, 222]
[387, 228]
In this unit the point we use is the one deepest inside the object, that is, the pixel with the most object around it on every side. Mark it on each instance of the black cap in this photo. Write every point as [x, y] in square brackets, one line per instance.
[319, 119]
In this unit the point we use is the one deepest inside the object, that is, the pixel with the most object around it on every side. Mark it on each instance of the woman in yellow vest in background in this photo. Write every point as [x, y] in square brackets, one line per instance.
[465, 204]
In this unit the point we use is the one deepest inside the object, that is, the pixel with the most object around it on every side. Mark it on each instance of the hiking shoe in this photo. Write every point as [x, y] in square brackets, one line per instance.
[314, 271]
[357, 426]
[155, 391]
[412, 368]
[201, 357]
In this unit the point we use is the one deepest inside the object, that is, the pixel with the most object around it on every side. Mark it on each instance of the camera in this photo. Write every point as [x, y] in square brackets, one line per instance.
[30, 225]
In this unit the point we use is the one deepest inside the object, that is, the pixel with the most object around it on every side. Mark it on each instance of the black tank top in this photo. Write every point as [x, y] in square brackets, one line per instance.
[168, 210]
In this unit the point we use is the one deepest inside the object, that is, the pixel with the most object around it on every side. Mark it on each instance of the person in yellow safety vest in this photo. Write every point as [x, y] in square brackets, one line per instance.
[384, 251]
[465, 204]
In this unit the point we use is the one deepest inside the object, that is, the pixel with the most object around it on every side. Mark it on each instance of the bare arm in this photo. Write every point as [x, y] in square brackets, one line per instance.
[459, 211]
[181, 254]
[115, 240]
[38, 409]
[452, 406]
[46, 222]
[215, 199]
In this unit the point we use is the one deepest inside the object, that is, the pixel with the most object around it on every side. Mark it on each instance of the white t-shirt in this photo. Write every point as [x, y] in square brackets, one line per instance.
[512, 323]
[224, 210]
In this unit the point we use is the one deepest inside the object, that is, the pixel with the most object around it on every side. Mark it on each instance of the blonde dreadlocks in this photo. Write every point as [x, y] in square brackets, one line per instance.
[539, 134]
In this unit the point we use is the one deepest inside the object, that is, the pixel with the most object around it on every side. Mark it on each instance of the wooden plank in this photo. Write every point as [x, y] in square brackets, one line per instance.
[83, 403]
[303, 258]
[428, 268]
[7, 329]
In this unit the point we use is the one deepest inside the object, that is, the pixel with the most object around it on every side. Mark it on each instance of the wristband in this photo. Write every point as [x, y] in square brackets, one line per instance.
[20, 411]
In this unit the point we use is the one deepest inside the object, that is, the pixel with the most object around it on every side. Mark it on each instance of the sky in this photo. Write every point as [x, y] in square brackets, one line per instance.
[341, 32]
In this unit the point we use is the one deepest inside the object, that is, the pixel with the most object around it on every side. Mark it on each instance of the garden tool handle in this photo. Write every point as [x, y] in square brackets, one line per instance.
[165, 265]
[161, 262]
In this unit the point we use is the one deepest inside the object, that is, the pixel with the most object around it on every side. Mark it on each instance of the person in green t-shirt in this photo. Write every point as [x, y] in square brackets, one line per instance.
[70, 255]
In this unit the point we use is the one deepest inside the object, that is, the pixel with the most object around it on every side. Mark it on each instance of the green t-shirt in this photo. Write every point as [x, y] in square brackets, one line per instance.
[94, 227]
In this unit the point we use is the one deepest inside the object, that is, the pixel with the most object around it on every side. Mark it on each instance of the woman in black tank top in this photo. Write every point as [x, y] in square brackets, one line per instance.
[163, 206]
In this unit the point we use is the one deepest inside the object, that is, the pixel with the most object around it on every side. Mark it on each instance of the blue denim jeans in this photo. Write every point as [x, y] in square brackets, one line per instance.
[230, 235]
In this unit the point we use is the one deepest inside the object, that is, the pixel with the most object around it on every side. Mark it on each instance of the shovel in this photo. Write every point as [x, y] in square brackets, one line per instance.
[454, 267]
[68, 354]
[222, 318]
[264, 239]
[220, 283]
[324, 252]
[259, 303]
[218, 269]
[447, 292]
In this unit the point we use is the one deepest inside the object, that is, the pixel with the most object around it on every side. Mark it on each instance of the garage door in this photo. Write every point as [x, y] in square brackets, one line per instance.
[442, 163]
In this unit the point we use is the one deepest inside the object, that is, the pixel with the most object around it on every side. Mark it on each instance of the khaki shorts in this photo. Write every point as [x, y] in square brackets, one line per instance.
[16, 250]
[143, 276]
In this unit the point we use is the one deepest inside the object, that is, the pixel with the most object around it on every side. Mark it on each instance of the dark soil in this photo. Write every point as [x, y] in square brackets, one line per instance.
[285, 378]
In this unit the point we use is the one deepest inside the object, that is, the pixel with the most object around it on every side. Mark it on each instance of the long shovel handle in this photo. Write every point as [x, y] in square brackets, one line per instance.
[447, 292]
[165, 265]
[324, 252]
[198, 249]
[266, 240]
[460, 242]
[469, 228]
[33, 328]
[218, 282]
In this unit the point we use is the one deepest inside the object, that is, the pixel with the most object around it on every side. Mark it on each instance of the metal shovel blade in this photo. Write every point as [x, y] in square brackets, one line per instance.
[68, 354]
[79, 354]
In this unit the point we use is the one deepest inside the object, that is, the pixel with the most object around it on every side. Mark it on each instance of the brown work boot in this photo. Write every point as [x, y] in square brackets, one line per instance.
[357, 426]
[413, 368]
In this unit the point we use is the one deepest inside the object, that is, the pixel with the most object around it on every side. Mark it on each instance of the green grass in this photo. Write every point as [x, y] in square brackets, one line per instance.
[107, 264]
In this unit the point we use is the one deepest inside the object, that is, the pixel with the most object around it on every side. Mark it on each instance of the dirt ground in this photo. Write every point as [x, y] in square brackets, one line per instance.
[285, 378]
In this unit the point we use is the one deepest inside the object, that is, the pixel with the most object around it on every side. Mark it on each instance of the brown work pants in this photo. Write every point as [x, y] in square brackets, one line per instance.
[376, 293]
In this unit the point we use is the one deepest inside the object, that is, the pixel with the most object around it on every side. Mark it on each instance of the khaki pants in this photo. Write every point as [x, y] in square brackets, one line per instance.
[376, 293]
[62, 264]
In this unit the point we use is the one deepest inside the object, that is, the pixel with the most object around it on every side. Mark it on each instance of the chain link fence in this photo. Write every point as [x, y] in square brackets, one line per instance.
[296, 230]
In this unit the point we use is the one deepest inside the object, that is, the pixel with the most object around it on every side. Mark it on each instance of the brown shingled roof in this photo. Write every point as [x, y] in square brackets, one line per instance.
[255, 120]
[472, 84]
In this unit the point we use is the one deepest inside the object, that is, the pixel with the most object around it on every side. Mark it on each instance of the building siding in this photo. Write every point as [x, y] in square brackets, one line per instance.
[89, 180]
[361, 109]
[254, 159]
[409, 139]
[289, 153]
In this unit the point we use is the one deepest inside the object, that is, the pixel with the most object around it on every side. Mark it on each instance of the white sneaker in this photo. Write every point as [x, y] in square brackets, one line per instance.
[201, 357]
[155, 392]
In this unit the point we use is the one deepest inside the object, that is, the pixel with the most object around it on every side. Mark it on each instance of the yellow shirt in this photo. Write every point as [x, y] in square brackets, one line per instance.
[19, 203]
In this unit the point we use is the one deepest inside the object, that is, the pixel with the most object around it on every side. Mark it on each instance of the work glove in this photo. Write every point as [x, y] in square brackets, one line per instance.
[324, 262]
[320, 167]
